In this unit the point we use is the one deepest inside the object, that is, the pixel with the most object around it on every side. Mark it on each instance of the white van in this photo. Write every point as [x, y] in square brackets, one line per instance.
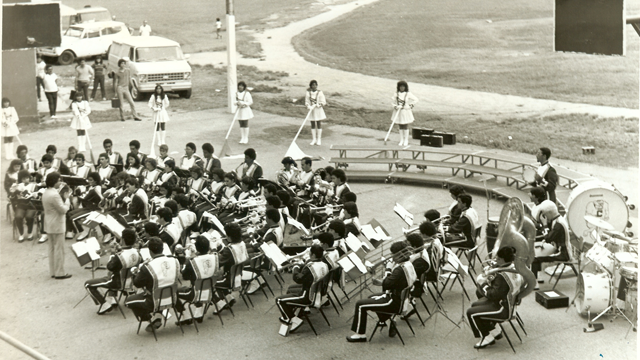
[152, 60]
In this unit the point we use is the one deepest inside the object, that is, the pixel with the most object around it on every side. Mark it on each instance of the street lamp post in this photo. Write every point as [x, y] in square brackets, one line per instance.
[232, 76]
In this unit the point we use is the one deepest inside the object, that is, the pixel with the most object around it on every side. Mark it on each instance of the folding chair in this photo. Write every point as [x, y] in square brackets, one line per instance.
[332, 275]
[472, 254]
[504, 333]
[165, 300]
[122, 291]
[255, 267]
[235, 281]
[318, 295]
[564, 264]
[203, 294]
[404, 296]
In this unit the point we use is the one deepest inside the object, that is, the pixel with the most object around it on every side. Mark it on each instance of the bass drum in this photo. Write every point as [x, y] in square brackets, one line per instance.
[598, 199]
[594, 293]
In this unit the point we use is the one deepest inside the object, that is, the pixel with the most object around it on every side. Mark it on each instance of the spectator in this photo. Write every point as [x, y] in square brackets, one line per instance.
[145, 29]
[9, 128]
[218, 28]
[50, 81]
[122, 79]
[40, 65]
[84, 74]
[99, 69]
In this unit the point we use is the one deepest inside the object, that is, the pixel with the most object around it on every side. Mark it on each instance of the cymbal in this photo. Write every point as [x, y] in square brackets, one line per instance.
[618, 235]
[599, 223]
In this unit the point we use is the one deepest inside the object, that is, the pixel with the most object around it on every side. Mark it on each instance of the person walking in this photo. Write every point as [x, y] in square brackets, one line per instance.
[218, 28]
[9, 129]
[50, 81]
[84, 74]
[159, 102]
[122, 80]
[55, 204]
[99, 69]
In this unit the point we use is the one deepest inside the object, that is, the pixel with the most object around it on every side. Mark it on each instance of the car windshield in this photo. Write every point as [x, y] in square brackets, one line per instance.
[73, 32]
[166, 53]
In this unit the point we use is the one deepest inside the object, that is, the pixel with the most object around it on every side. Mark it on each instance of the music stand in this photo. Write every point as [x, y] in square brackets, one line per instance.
[182, 173]
[74, 180]
[118, 167]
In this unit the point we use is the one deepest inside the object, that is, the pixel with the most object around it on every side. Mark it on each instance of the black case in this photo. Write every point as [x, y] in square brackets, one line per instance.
[431, 140]
[448, 138]
[115, 103]
[560, 301]
[417, 132]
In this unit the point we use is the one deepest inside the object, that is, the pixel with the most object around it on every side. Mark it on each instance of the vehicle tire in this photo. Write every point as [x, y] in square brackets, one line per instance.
[66, 58]
[136, 94]
[186, 94]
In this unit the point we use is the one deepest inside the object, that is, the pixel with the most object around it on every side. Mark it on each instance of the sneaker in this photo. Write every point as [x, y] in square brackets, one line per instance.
[43, 238]
[392, 330]
[357, 338]
[91, 99]
[253, 287]
[296, 322]
[157, 323]
[30, 237]
[104, 99]
[484, 342]
[282, 320]
[20, 239]
[69, 235]
[106, 309]
[496, 333]
[137, 119]
[54, 117]
[121, 119]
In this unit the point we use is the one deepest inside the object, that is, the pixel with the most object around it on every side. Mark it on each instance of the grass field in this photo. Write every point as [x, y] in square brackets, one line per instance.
[452, 43]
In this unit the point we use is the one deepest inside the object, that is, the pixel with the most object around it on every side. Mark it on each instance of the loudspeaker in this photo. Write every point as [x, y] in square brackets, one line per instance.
[448, 138]
[416, 132]
[431, 140]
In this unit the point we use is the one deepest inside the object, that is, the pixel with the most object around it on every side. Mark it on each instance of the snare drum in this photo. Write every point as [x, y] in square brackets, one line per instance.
[601, 256]
[594, 293]
[625, 263]
[630, 274]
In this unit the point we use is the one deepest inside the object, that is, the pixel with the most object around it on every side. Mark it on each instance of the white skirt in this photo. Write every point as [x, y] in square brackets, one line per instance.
[245, 113]
[80, 123]
[317, 114]
[10, 130]
[160, 116]
[405, 116]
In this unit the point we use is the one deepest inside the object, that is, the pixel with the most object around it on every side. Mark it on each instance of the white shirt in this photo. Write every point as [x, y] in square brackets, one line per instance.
[50, 82]
[218, 24]
[40, 69]
[145, 30]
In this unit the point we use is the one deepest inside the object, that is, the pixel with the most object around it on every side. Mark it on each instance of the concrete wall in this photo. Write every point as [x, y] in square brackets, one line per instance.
[19, 82]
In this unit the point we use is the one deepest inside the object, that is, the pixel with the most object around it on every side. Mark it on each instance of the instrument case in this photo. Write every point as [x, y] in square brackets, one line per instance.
[552, 299]
[417, 132]
[448, 138]
[431, 140]
[115, 103]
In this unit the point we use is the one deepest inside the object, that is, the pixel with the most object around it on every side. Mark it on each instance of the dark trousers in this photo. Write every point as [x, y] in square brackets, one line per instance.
[185, 294]
[375, 303]
[141, 305]
[20, 216]
[74, 218]
[483, 315]
[296, 296]
[455, 240]
[105, 282]
[536, 265]
[39, 85]
[98, 81]
[52, 98]
[83, 87]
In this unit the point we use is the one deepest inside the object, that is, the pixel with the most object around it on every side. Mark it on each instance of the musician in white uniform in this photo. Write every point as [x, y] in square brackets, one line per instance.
[244, 102]
[403, 103]
[190, 158]
[466, 225]
[250, 166]
[315, 101]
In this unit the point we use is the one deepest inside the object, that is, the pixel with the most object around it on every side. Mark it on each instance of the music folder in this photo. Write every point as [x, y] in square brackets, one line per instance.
[86, 250]
[352, 265]
[74, 180]
[406, 216]
[355, 245]
[274, 253]
[454, 264]
[375, 233]
[182, 173]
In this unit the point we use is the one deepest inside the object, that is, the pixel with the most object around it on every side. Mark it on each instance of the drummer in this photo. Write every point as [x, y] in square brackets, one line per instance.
[556, 246]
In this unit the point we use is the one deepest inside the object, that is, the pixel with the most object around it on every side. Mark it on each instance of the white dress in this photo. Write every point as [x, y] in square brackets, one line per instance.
[9, 122]
[406, 100]
[244, 98]
[312, 98]
[159, 107]
[81, 111]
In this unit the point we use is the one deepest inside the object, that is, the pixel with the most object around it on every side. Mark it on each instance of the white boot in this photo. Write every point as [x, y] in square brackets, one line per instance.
[319, 142]
[81, 141]
[8, 151]
[313, 134]
[401, 133]
[163, 137]
[246, 135]
[406, 137]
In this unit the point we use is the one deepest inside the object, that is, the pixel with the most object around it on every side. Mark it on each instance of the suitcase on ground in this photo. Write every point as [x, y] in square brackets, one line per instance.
[448, 138]
[431, 140]
[552, 299]
[115, 103]
[417, 132]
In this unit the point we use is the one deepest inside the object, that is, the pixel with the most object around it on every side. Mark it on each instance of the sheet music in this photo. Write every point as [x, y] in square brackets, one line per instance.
[85, 252]
[404, 214]
[353, 242]
[368, 231]
[298, 225]
[357, 262]
[113, 225]
[346, 264]
[452, 259]
[145, 254]
[382, 233]
[273, 252]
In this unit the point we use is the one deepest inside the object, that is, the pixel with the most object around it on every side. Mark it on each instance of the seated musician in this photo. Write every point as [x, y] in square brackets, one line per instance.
[339, 179]
[186, 217]
[196, 183]
[113, 157]
[46, 167]
[134, 148]
[210, 161]
[250, 166]
[399, 274]
[463, 232]
[331, 254]
[190, 158]
[164, 156]
[351, 220]
[70, 160]
[132, 166]
[323, 188]
[304, 181]
[234, 253]
[27, 162]
[338, 229]
[81, 168]
[137, 199]
[150, 173]
[123, 259]
[299, 294]
[170, 232]
[495, 299]
[285, 175]
[228, 194]
[421, 261]
[11, 176]
[454, 209]
[539, 197]
[274, 232]
[57, 162]
[202, 266]
[168, 176]
[285, 205]
[113, 197]
[217, 182]
[556, 245]
[161, 271]
[434, 247]
[22, 189]
[90, 200]
[105, 170]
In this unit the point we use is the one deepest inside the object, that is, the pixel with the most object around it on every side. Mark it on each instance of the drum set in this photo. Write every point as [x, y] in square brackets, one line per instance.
[608, 282]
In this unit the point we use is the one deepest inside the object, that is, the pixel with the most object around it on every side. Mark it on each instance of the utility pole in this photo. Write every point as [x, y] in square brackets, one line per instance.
[232, 75]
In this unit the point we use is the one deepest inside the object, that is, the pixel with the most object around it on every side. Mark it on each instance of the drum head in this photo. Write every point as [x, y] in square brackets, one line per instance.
[593, 293]
[597, 199]
[529, 175]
